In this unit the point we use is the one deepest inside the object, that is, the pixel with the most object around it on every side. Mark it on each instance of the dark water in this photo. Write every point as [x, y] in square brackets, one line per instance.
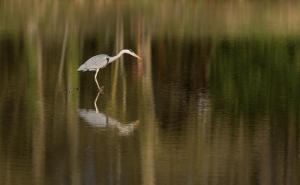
[215, 99]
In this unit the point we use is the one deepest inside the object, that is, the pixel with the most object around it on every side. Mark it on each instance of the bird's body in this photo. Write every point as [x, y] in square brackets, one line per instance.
[94, 63]
[98, 62]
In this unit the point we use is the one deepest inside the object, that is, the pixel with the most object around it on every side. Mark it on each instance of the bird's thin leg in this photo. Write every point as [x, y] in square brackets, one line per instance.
[99, 88]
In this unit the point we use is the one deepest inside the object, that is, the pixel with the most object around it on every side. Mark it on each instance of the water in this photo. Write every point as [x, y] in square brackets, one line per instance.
[215, 99]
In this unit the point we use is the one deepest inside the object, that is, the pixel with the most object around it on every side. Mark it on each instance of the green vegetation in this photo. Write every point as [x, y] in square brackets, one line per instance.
[257, 78]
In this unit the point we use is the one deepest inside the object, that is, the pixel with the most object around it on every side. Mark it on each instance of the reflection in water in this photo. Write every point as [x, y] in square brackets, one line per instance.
[101, 120]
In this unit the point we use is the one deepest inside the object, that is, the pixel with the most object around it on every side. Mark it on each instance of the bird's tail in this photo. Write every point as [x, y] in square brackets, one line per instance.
[81, 68]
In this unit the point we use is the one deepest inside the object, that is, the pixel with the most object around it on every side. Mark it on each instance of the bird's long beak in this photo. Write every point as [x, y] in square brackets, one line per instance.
[137, 56]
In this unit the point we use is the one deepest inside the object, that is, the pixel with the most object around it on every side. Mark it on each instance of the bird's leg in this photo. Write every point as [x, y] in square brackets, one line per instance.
[99, 88]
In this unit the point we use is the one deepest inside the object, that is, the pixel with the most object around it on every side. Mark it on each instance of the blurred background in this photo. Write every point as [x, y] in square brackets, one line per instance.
[215, 99]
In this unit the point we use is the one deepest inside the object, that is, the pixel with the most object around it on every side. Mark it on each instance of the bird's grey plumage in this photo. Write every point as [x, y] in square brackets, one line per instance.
[94, 63]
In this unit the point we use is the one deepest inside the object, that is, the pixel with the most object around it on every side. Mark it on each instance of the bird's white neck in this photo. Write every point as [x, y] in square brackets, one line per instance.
[117, 56]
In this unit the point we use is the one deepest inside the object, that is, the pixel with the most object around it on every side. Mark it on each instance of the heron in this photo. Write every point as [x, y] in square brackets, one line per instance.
[98, 62]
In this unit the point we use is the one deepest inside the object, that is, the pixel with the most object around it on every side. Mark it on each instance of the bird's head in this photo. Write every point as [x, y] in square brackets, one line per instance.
[130, 52]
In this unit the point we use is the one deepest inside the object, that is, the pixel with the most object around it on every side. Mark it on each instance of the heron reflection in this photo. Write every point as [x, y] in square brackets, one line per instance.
[97, 119]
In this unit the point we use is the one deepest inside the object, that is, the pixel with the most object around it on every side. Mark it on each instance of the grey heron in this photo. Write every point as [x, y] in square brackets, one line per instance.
[98, 62]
